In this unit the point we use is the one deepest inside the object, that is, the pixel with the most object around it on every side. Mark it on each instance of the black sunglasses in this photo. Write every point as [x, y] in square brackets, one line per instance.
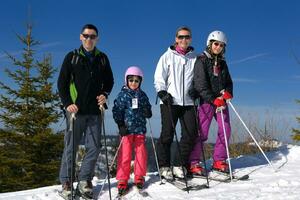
[92, 37]
[181, 37]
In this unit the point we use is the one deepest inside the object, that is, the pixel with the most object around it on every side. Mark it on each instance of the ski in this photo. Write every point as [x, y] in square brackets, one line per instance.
[123, 196]
[120, 197]
[180, 184]
[141, 192]
[82, 196]
[77, 196]
[222, 177]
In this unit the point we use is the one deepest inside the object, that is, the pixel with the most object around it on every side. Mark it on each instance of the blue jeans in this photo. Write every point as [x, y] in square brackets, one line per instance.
[86, 127]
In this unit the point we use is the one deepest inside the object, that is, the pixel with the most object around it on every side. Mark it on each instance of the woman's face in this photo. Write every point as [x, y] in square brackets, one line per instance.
[183, 39]
[217, 47]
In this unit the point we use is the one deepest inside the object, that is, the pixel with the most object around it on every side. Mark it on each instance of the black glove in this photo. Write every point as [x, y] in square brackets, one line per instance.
[122, 130]
[147, 113]
[193, 93]
[166, 97]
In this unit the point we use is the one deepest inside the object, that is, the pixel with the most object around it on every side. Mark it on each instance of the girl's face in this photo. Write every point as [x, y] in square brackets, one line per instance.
[183, 39]
[134, 82]
[217, 47]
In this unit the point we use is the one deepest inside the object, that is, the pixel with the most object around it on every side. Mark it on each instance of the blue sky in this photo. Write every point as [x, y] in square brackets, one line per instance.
[262, 38]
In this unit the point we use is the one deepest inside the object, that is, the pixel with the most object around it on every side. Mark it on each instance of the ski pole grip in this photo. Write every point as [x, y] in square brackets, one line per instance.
[101, 108]
[72, 115]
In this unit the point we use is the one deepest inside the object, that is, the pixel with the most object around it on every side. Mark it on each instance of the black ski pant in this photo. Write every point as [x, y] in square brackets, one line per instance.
[187, 118]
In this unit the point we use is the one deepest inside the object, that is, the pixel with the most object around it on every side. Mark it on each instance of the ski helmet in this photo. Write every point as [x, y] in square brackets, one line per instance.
[217, 35]
[133, 71]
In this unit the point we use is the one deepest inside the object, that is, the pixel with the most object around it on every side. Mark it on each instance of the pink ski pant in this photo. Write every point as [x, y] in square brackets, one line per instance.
[136, 141]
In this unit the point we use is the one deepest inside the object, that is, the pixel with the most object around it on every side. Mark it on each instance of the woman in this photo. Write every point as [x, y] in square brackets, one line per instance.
[172, 80]
[213, 84]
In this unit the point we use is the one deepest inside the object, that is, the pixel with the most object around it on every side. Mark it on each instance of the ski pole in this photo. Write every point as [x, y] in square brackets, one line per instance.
[102, 109]
[251, 135]
[202, 143]
[112, 164]
[178, 147]
[71, 129]
[154, 149]
[226, 143]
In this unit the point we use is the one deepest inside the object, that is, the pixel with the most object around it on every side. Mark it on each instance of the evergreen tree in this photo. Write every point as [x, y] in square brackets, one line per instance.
[296, 136]
[31, 106]
[30, 152]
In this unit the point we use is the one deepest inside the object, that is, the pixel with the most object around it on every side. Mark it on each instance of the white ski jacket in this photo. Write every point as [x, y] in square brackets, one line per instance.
[174, 74]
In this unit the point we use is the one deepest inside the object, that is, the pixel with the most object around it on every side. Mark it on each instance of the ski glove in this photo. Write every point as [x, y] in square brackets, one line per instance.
[219, 102]
[147, 113]
[166, 97]
[227, 96]
[122, 130]
[193, 93]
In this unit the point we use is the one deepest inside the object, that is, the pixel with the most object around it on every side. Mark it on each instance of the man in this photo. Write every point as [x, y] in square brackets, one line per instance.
[84, 82]
[172, 80]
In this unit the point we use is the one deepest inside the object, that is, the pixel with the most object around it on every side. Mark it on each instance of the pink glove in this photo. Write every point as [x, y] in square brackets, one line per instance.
[227, 96]
[219, 102]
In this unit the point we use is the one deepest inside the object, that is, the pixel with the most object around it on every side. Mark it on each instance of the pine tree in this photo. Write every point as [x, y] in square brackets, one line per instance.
[30, 152]
[31, 106]
[296, 136]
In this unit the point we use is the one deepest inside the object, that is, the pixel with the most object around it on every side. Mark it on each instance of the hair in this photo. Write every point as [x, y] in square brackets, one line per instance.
[89, 26]
[221, 54]
[185, 28]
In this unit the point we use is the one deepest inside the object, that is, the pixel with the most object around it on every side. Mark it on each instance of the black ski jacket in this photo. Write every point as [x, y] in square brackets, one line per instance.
[208, 86]
[91, 79]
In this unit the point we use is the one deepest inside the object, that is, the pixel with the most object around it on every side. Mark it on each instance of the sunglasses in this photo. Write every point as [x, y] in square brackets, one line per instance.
[218, 44]
[181, 37]
[92, 37]
[134, 80]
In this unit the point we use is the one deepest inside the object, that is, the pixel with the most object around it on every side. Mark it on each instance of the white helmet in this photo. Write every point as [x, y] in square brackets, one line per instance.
[217, 35]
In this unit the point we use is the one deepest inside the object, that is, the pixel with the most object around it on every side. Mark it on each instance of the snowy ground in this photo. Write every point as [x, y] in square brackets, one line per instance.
[264, 183]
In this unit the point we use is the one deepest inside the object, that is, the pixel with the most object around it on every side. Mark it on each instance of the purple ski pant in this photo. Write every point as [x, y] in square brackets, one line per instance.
[206, 112]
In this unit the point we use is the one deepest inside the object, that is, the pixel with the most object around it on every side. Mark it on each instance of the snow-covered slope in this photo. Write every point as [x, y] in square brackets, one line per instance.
[264, 183]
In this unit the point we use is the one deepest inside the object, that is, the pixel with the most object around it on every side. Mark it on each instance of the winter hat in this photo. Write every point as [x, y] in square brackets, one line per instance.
[134, 71]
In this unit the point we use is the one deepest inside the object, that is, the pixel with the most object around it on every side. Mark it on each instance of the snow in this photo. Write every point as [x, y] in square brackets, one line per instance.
[264, 182]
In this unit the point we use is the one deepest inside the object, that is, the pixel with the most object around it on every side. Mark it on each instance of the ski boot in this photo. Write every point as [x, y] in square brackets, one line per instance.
[122, 187]
[66, 191]
[166, 173]
[85, 189]
[178, 172]
[221, 166]
[196, 170]
[139, 182]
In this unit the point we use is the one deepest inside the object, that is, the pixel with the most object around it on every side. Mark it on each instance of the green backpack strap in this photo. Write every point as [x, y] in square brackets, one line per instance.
[73, 91]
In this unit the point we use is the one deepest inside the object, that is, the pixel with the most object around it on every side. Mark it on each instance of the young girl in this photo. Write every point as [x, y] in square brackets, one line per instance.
[130, 110]
[213, 84]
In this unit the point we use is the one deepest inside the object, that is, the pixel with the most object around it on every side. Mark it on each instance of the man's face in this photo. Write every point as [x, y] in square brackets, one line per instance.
[183, 39]
[89, 39]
